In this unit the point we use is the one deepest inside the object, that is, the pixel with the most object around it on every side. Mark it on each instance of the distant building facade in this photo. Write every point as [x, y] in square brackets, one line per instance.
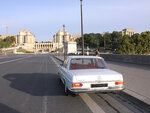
[41, 47]
[74, 37]
[25, 37]
[25, 40]
[129, 32]
[62, 35]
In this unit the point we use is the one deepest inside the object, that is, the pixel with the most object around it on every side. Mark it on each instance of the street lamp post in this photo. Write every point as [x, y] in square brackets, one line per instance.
[82, 29]
[104, 43]
[64, 43]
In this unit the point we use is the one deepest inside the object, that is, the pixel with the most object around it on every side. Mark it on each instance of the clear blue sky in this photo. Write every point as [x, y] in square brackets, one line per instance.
[45, 17]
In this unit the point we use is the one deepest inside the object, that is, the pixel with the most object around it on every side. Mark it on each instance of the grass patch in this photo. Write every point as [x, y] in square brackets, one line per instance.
[24, 51]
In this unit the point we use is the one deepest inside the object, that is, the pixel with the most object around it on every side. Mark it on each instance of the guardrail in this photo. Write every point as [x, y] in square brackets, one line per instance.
[136, 59]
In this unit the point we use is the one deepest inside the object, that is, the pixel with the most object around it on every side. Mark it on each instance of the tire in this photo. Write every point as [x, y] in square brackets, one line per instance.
[60, 80]
[73, 94]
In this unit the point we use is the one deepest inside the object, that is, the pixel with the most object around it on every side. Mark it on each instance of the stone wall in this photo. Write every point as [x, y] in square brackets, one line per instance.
[137, 59]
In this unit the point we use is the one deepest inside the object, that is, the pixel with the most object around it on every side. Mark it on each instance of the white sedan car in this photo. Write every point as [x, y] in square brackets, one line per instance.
[89, 74]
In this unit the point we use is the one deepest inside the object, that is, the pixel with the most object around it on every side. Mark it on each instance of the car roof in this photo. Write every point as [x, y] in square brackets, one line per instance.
[80, 56]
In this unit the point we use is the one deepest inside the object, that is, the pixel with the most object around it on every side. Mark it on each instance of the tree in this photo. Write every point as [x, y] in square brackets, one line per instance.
[116, 38]
[127, 46]
[146, 42]
[107, 40]
[136, 44]
[7, 42]
[79, 42]
[91, 40]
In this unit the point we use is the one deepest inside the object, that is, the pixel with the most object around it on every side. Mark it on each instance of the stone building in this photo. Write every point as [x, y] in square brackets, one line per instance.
[74, 37]
[25, 40]
[129, 32]
[41, 47]
[59, 38]
[24, 37]
[62, 35]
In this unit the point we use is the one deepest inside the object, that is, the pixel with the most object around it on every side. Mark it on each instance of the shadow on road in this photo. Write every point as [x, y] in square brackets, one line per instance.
[37, 84]
[6, 109]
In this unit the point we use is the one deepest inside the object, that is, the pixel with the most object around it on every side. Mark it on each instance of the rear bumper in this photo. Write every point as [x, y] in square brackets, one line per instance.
[93, 90]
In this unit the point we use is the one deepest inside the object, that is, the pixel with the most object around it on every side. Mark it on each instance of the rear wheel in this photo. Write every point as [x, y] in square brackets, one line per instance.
[60, 80]
[59, 77]
[73, 94]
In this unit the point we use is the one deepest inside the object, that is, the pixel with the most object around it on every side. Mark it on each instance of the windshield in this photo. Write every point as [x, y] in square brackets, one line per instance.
[87, 63]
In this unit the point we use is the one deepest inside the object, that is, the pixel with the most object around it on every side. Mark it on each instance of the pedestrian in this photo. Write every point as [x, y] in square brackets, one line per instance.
[97, 53]
[87, 53]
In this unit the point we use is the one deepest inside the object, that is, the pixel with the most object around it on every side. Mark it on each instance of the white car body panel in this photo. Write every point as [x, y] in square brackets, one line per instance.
[90, 75]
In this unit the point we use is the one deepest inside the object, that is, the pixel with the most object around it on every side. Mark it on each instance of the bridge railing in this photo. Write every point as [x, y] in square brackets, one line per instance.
[136, 59]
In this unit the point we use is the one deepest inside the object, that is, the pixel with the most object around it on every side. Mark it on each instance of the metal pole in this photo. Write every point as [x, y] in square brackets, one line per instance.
[104, 43]
[64, 43]
[82, 29]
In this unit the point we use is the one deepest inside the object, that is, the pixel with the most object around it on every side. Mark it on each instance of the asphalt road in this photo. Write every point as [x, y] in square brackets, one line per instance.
[136, 78]
[11, 57]
[29, 84]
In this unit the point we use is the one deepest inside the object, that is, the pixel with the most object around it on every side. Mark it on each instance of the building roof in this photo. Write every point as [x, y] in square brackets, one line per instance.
[25, 32]
[61, 32]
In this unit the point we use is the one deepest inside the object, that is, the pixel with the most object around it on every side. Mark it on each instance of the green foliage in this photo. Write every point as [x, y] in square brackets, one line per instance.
[91, 40]
[59, 50]
[126, 46]
[136, 44]
[7, 42]
[107, 40]
[116, 38]
[24, 51]
[142, 42]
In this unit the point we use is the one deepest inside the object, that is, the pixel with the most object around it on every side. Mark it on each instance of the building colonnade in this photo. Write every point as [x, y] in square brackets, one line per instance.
[41, 46]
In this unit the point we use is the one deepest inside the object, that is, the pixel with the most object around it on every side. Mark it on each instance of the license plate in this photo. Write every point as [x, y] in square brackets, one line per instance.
[98, 85]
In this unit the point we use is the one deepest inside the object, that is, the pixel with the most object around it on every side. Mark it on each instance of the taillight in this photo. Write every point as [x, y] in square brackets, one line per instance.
[119, 83]
[77, 85]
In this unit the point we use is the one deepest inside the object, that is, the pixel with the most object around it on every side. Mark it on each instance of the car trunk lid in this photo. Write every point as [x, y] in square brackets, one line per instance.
[93, 75]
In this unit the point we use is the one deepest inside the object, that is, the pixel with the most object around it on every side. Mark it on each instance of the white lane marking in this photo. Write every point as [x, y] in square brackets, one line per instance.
[14, 60]
[45, 100]
[45, 97]
[91, 103]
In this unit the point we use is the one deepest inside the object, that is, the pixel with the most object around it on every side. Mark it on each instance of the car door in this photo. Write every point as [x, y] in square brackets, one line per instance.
[64, 70]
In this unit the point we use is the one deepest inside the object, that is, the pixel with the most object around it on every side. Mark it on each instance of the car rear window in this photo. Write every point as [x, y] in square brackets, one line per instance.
[87, 63]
